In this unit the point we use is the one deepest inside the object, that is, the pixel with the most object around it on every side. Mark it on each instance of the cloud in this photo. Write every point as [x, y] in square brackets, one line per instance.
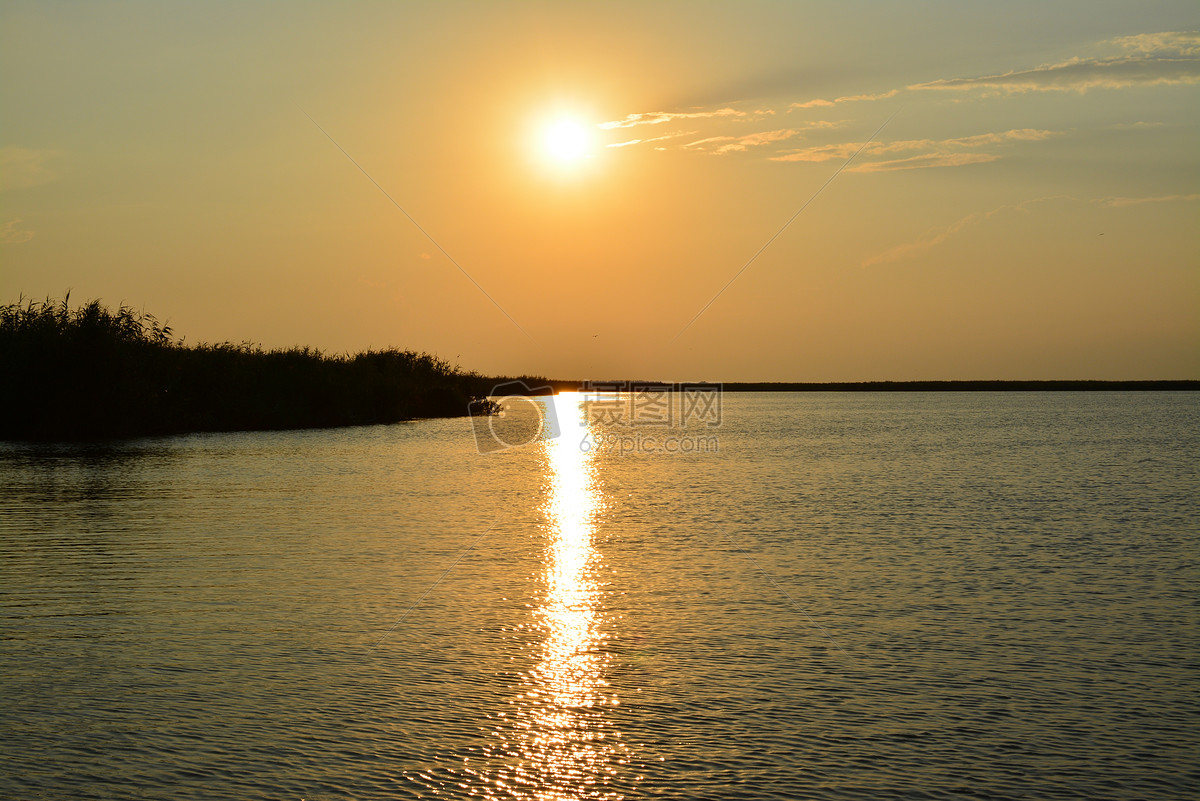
[925, 160]
[843, 150]
[1150, 59]
[913, 248]
[22, 167]
[920, 246]
[658, 117]
[1139, 60]
[936, 152]
[734, 144]
[653, 139]
[720, 145]
[901, 252]
[1182, 43]
[1145, 59]
[12, 233]
[819, 103]
[1137, 201]
[1014, 135]
[1080, 75]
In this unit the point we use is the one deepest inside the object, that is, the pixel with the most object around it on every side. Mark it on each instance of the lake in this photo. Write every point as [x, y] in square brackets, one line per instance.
[844, 595]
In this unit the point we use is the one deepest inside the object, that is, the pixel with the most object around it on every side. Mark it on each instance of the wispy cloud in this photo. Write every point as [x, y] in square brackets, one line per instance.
[925, 152]
[1137, 201]
[1145, 59]
[13, 233]
[901, 252]
[819, 103]
[733, 144]
[22, 167]
[659, 117]
[933, 240]
[1149, 59]
[1129, 126]
[908, 249]
[1080, 75]
[675, 135]
[1013, 135]
[925, 160]
[1181, 43]
[720, 145]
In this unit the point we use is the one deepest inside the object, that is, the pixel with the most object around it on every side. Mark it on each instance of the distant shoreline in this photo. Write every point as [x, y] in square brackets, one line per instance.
[92, 373]
[1182, 385]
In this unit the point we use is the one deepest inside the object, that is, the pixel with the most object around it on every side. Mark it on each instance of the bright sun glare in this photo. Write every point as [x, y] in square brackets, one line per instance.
[566, 142]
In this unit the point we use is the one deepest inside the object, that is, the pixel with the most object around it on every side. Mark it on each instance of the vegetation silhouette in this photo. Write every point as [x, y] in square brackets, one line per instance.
[91, 373]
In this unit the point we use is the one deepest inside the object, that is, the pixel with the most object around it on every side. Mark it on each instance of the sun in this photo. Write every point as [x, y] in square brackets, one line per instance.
[566, 142]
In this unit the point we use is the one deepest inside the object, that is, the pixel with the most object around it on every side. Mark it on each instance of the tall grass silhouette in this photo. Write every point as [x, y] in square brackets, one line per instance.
[91, 372]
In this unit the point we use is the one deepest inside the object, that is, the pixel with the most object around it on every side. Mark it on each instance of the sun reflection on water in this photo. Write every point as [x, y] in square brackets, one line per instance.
[561, 740]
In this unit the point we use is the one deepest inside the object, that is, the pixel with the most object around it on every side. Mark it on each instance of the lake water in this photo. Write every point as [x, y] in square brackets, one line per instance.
[909, 595]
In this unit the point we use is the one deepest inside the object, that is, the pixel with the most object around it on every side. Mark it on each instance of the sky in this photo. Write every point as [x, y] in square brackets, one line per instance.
[897, 191]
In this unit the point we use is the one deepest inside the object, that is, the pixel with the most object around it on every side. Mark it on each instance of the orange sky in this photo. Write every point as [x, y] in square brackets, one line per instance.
[1030, 211]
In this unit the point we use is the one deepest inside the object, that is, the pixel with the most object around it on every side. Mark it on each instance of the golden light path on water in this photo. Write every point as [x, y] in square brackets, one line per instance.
[560, 741]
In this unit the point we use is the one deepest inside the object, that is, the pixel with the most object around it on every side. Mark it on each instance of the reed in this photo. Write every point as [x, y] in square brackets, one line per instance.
[90, 372]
